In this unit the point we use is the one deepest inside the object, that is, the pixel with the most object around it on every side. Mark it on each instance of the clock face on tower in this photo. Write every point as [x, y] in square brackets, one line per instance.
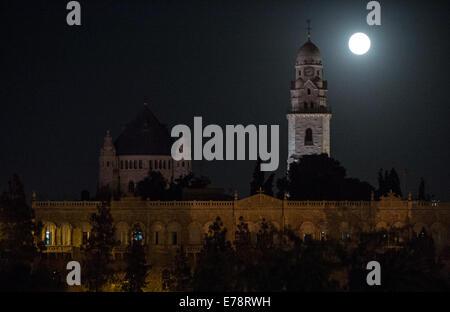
[309, 71]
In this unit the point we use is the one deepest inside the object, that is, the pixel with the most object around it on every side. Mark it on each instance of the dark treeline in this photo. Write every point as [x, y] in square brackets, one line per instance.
[156, 187]
[320, 177]
[22, 267]
[282, 261]
[272, 261]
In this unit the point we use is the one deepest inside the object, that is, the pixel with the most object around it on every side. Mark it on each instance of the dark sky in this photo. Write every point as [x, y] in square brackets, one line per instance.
[230, 62]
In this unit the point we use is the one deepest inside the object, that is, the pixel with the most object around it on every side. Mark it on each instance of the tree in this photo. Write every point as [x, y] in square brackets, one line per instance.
[214, 269]
[190, 180]
[20, 244]
[395, 182]
[411, 267]
[136, 264]
[422, 195]
[268, 185]
[99, 249]
[319, 177]
[180, 275]
[282, 186]
[85, 195]
[104, 193]
[381, 184]
[199, 182]
[390, 181]
[154, 186]
[258, 178]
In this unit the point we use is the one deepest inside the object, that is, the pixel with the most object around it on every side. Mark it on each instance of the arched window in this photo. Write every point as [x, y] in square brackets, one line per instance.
[299, 72]
[346, 236]
[131, 187]
[121, 164]
[164, 164]
[308, 137]
[135, 164]
[307, 237]
[169, 163]
[309, 91]
[182, 164]
[160, 164]
[126, 164]
[48, 237]
[174, 238]
[138, 236]
[140, 164]
[150, 164]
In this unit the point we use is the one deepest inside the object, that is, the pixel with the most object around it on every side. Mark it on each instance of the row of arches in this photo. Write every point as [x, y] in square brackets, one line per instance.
[158, 234]
[173, 233]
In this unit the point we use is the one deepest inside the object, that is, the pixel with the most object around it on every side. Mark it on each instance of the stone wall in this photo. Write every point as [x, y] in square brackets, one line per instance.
[168, 224]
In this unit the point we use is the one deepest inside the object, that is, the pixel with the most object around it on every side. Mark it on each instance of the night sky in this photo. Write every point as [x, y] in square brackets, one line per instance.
[230, 62]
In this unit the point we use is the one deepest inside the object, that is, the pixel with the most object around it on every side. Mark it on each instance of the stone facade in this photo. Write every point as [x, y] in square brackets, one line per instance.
[144, 145]
[167, 225]
[309, 115]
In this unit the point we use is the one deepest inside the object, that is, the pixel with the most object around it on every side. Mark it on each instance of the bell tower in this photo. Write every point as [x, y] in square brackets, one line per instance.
[108, 164]
[309, 115]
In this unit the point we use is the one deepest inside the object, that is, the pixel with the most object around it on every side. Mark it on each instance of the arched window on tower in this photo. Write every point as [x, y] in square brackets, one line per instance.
[131, 187]
[308, 137]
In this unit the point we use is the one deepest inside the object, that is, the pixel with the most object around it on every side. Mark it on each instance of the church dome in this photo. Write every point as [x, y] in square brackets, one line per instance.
[145, 135]
[308, 54]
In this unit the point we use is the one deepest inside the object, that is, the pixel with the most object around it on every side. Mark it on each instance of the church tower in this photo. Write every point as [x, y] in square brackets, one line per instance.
[309, 116]
[108, 163]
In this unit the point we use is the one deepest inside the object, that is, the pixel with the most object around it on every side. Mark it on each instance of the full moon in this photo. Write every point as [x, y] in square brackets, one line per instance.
[359, 43]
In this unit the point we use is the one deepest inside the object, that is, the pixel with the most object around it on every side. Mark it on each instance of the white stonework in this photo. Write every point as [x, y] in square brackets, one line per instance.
[143, 147]
[309, 116]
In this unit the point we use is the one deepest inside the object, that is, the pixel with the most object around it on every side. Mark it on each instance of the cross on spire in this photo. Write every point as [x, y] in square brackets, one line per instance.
[308, 22]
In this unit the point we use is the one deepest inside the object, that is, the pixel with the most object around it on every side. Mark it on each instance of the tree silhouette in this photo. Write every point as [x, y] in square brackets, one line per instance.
[20, 244]
[180, 275]
[154, 186]
[98, 251]
[258, 178]
[214, 269]
[136, 264]
[319, 177]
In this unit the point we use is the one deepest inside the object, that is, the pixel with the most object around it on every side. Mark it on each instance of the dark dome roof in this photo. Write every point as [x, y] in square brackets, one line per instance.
[309, 54]
[145, 135]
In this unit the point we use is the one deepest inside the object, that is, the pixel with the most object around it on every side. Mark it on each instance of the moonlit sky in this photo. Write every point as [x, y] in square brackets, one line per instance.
[231, 62]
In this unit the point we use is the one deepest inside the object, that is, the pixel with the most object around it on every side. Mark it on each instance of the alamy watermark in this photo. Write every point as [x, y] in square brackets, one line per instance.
[214, 148]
